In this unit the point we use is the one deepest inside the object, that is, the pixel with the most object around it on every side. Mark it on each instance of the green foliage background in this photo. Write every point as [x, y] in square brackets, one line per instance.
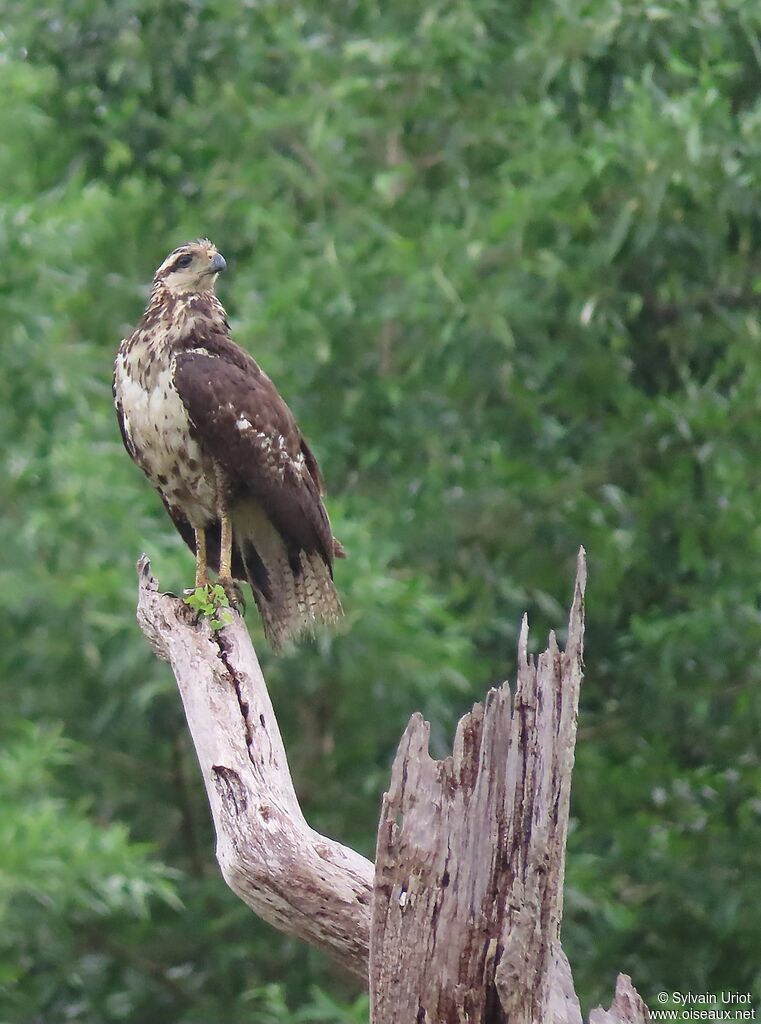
[504, 261]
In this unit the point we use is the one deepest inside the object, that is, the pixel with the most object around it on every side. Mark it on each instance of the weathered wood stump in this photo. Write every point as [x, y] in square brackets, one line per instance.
[469, 863]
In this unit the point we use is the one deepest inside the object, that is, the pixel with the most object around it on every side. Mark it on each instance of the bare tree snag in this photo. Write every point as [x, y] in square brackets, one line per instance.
[467, 890]
[470, 856]
[627, 1007]
[290, 875]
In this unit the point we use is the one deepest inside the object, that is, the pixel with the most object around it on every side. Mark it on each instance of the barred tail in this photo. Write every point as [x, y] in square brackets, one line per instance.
[294, 591]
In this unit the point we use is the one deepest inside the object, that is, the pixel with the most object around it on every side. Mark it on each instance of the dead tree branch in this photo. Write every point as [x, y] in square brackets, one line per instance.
[467, 890]
[290, 875]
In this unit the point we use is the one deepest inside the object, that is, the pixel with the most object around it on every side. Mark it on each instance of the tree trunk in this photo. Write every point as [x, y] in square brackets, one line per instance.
[467, 890]
[470, 857]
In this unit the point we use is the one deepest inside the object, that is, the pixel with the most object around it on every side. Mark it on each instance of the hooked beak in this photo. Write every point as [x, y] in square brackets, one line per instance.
[218, 263]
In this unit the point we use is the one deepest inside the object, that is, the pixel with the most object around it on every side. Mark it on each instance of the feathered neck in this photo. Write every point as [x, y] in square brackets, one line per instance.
[176, 311]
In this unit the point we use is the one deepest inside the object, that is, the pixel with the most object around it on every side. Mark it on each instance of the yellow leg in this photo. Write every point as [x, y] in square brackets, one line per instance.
[202, 572]
[229, 585]
[226, 542]
[226, 528]
[226, 546]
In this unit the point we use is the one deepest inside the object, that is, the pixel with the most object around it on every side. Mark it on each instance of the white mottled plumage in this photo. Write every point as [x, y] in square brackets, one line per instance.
[158, 427]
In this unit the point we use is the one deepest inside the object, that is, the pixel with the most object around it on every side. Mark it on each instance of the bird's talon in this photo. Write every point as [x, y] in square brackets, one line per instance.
[233, 594]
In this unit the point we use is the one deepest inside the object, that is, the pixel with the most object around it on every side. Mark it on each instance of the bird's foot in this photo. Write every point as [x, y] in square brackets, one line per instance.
[211, 603]
[233, 593]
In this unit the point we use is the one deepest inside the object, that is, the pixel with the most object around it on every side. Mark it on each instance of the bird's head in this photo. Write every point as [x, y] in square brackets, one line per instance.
[190, 268]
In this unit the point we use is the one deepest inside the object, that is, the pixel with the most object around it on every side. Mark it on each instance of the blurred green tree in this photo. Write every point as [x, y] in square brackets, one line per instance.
[503, 260]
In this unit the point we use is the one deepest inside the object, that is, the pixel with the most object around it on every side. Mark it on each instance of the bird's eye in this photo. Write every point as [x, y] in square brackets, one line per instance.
[184, 261]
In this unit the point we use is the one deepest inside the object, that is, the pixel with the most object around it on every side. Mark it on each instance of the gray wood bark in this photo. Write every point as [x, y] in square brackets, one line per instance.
[290, 875]
[467, 890]
[470, 856]
[627, 1007]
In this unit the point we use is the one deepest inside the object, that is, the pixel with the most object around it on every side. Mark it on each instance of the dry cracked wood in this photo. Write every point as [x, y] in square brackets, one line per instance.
[470, 856]
[290, 875]
[627, 1007]
[469, 877]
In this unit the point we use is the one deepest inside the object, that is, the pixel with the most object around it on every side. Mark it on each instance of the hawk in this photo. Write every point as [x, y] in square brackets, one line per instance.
[210, 431]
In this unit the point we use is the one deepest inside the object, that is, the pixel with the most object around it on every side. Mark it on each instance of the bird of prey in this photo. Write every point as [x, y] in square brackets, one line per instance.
[210, 431]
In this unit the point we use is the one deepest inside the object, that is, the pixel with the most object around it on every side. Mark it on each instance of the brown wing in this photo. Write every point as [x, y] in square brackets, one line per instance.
[245, 425]
[311, 464]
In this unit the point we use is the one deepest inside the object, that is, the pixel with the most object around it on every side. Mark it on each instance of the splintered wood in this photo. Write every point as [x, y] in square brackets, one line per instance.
[467, 895]
[470, 856]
